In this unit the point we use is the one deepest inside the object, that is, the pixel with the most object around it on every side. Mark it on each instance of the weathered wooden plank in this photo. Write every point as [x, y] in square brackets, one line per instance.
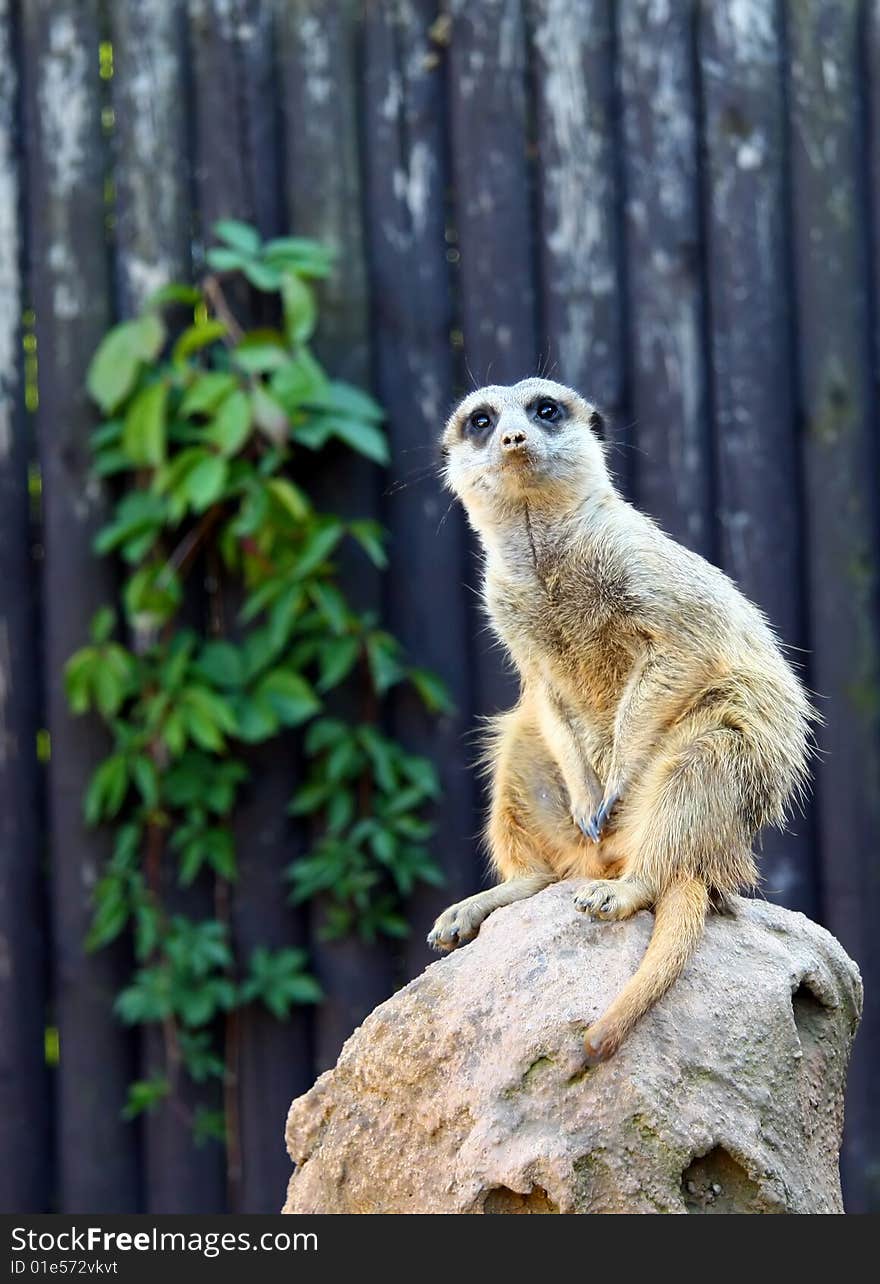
[25, 1173]
[275, 1059]
[152, 242]
[97, 1157]
[238, 175]
[491, 182]
[236, 109]
[837, 402]
[412, 318]
[580, 290]
[752, 360]
[666, 309]
[321, 86]
[151, 174]
[487, 88]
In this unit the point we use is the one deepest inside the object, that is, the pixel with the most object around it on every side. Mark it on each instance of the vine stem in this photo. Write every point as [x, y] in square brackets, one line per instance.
[213, 292]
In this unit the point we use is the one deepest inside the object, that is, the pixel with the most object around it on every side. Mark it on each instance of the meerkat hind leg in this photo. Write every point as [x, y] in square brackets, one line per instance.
[460, 923]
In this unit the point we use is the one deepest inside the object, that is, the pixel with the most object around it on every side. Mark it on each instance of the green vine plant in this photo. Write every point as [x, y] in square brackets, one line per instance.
[206, 436]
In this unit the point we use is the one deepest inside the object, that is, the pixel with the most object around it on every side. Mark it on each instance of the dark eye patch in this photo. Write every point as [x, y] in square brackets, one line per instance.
[479, 423]
[547, 411]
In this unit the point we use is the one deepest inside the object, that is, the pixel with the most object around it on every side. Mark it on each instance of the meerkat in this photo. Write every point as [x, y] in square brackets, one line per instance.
[659, 726]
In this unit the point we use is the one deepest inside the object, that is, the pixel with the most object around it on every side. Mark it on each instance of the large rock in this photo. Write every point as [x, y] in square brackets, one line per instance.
[465, 1093]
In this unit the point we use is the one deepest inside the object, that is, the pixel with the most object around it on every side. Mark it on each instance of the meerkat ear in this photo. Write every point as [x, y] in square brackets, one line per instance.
[596, 422]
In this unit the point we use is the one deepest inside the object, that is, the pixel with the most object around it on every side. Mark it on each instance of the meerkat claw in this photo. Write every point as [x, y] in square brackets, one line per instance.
[588, 829]
[597, 822]
[456, 926]
[604, 899]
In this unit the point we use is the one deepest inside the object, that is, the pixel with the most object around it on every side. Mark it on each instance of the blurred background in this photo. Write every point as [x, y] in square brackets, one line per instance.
[671, 205]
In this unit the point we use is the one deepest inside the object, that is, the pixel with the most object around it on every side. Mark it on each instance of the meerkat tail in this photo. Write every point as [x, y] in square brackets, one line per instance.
[680, 915]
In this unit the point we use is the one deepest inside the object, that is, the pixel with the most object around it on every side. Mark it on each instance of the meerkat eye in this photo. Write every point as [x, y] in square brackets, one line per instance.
[547, 410]
[479, 421]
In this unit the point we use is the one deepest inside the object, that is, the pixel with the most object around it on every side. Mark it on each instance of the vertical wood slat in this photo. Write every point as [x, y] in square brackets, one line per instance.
[320, 44]
[153, 197]
[97, 1162]
[752, 358]
[666, 311]
[580, 289]
[237, 167]
[152, 242]
[25, 1171]
[838, 409]
[236, 115]
[492, 213]
[412, 317]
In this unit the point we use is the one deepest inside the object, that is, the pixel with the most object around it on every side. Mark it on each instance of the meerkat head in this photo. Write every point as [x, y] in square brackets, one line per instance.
[535, 440]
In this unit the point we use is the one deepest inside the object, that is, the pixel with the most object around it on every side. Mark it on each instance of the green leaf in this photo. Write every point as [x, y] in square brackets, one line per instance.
[383, 652]
[144, 1095]
[318, 547]
[299, 382]
[260, 354]
[422, 773]
[300, 311]
[146, 778]
[338, 658]
[342, 400]
[221, 663]
[262, 275]
[256, 719]
[290, 497]
[107, 789]
[289, 695]
[205, 482]
[208, 1125]
[340, 811]
[270, 415]
[323, 733]
[102, 625]
[153, 594]
[199, 1057]
[111, 912]
[206, 392]
[139, 514]
[232, 424]
[310, 797]
[363, 437]
[115, 367]
[371, 538]
[223, 260]
[241, 236]
[195, 337]
[187, 295]
[433, 692]
[331, 604]
[299, 255]
[143, 435]
[278, 979]
[79, 678]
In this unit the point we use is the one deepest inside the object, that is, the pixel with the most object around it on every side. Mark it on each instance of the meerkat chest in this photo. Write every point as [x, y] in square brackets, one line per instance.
[569, 618]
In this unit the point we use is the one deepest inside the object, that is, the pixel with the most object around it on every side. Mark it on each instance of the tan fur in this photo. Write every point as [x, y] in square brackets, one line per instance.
[648, 682]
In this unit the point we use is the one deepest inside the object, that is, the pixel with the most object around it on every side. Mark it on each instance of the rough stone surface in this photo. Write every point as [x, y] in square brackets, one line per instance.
[464, 1093]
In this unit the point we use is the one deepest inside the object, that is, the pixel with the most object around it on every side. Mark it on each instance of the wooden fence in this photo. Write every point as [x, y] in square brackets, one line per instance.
[673, 205]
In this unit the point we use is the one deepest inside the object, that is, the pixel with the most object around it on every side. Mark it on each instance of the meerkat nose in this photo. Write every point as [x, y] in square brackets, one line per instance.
[513, 439]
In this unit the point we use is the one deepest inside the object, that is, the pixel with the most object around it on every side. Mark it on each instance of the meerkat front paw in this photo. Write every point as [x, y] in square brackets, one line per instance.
[606, 899]
[456, 926]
